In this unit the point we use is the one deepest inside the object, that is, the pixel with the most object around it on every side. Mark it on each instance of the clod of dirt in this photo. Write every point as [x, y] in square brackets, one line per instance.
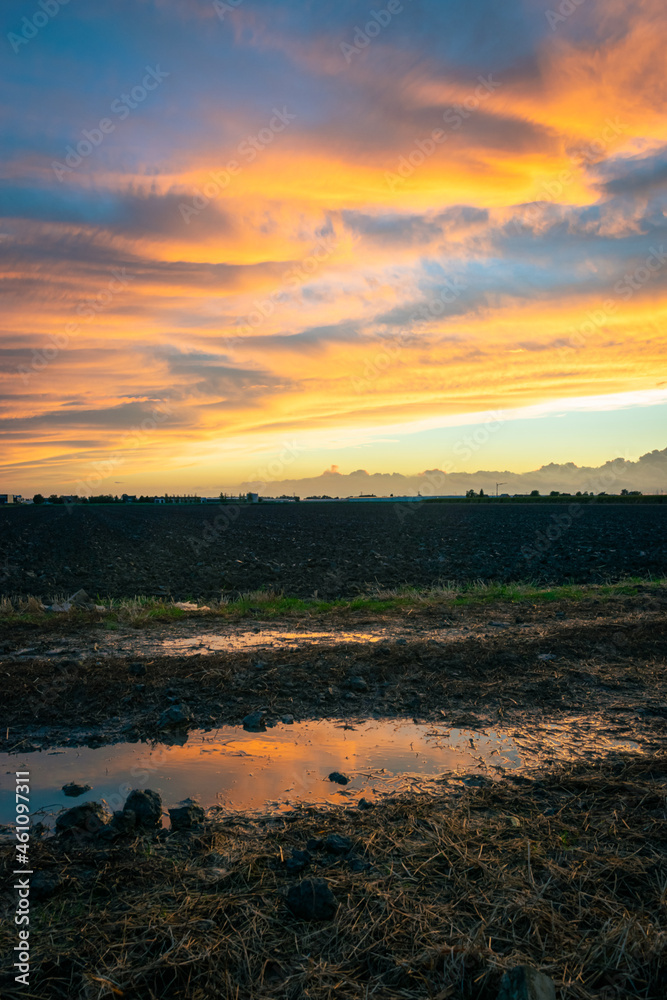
[357, 684]
[340, 779]
[254, 722]
[89, 818]
[335, 844]
[175, 715]
[186, 817]
[312, 900]
[526, 983]
[73, 789]
[147, 807]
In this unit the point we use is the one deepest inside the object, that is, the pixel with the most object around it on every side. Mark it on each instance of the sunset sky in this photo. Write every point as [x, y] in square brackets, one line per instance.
[259, 238]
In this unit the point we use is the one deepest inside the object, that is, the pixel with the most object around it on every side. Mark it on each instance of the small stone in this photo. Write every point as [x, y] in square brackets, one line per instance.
[298, 861]
[175, 715]
[358, 865]
[124, 822]
[526, 983]
[186, 817]
[365, 804]
[336, 844]
[137, 669]
[287, 720]
[254, 722]
[340, 779]
[72, 789]
[357, 684]
[140, 688]
[147, 807]
[81, 600]
[312, 900]
[546, 657]
[88, 818]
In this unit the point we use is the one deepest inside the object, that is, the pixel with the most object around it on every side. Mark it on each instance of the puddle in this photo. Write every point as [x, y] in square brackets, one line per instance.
[237, 770]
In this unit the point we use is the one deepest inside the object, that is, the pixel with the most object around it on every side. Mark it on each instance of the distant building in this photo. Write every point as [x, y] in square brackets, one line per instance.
[252, 497]
[8, 498]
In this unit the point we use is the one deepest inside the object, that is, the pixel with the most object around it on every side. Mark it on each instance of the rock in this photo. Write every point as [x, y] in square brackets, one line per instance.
[254, 722]
[340, 779]
[124, 822]
[526, 983]
[43, 885]
[186, 817]
[65, 606]
[287, 720]
[137, 669]
[89, 818]
[298, 861]
[72, 789]
[336, 844]
[147, 807]
[365, 804]
[81, 600]
[546, 657]
[357, 684]
[312, 900]
[358, 865]
[175, 715]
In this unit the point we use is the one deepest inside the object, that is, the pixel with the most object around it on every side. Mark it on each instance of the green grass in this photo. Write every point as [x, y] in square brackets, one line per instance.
[267, 604]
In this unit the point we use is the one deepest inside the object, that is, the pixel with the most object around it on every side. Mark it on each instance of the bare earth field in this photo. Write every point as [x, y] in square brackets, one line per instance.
[334, 550]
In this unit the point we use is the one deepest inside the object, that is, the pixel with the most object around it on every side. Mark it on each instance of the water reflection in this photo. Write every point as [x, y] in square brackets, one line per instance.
[234, 769]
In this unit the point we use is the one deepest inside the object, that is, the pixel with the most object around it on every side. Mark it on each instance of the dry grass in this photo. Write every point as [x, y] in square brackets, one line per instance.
[459, 889]
[270, 604]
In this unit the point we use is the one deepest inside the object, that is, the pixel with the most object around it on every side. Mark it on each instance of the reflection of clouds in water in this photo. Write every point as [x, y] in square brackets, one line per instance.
[241, 770]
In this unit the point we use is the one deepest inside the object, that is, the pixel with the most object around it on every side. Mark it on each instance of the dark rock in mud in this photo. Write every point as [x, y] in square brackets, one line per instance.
[526, 983]
[338, 778]
[43, 885]
[312, 900]
[336, 844]
[73, 789]
[124, 822]
[175, 715]
[254, 722]
[287, 720]
[147, 807]
[186, 817]
[298, 862]
[87, 818]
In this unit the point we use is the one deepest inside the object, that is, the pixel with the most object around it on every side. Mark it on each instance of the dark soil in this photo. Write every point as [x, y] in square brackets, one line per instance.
[336, 550]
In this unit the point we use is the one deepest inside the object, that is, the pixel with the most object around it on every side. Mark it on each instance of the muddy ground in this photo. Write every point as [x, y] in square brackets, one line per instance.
[472, 667]
[335, 550]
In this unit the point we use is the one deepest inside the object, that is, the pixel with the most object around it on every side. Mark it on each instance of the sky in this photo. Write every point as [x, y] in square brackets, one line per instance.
[255, 239]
